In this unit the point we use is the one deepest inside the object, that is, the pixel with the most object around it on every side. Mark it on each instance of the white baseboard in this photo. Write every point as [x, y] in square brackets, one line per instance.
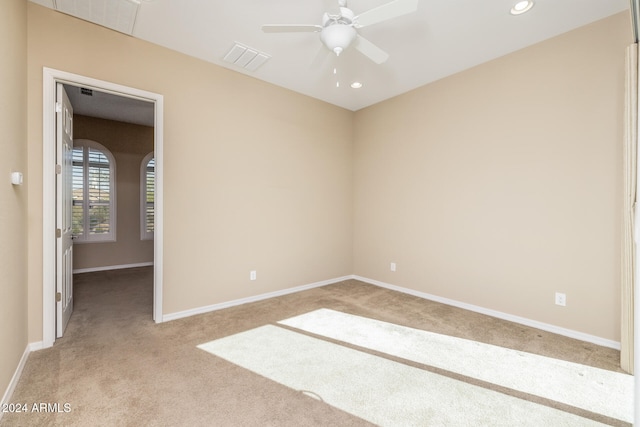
[220, 306]
[498, 314]
[6, 398]
[112, 267]
[35, 346]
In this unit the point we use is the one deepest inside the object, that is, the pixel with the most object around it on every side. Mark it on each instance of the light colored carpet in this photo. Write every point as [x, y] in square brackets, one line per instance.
[376, 389]
[115, 367]
[593, 389]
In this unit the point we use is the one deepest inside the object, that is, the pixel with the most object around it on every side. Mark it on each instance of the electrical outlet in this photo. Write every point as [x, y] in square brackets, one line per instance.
[393, 266]
[252, 275]
[561, 299]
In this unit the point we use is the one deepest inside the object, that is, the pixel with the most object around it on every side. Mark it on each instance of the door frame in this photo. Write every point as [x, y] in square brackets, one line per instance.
[50, 78]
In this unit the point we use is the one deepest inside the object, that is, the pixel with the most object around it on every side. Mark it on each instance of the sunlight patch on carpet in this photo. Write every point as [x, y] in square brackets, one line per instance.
[376, 389]
[596, 390]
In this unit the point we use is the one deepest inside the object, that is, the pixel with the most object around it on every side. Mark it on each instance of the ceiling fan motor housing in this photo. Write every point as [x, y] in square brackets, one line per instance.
[345, 17]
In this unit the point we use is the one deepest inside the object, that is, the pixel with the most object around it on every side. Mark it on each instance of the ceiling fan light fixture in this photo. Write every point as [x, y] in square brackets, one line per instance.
[337, 37]
[521, 7]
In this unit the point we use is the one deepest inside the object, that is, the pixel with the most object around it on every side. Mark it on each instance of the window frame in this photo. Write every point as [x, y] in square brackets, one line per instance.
[144, 234]
[86, 237]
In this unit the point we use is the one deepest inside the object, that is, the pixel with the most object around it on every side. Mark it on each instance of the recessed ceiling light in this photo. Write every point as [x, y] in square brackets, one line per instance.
[521, 7]
[356, 85]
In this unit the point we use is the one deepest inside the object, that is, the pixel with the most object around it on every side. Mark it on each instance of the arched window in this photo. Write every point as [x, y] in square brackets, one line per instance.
[94, 192]
[147, 196]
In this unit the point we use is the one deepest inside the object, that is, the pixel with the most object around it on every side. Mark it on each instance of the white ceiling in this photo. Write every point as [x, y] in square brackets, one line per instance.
[93, 103]
[442, 38]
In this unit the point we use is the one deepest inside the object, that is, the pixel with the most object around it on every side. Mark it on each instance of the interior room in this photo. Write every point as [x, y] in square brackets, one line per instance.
[130, 143]
[474, 189]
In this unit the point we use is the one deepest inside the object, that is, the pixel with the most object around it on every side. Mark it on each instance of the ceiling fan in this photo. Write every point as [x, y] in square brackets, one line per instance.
[339, 27]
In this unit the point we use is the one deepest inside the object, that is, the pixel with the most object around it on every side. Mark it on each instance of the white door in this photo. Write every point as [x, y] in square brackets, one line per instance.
[64, 196]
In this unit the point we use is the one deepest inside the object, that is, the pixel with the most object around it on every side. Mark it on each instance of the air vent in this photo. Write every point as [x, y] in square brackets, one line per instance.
[119, 15]
[245, 57]
[85, 91]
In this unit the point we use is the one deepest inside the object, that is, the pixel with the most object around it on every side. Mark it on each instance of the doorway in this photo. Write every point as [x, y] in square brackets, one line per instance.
[51, 78]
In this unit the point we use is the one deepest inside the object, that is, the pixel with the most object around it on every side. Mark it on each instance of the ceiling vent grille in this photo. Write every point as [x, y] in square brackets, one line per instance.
[245, 57]
[119, 15]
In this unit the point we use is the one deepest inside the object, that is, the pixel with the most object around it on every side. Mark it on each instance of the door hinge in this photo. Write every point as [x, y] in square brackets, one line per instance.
[58, 297]
[58, 169]
[58, 233]
[58, 107]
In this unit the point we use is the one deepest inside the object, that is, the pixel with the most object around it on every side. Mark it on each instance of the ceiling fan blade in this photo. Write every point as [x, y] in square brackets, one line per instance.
[370, 50]
[290, 28]
[386, 11]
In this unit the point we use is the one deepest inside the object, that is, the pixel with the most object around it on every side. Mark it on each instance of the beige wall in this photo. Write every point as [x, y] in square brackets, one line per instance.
[129, 144]
[496, 187]
[13, 200]
[256, 177]
[502, 184]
